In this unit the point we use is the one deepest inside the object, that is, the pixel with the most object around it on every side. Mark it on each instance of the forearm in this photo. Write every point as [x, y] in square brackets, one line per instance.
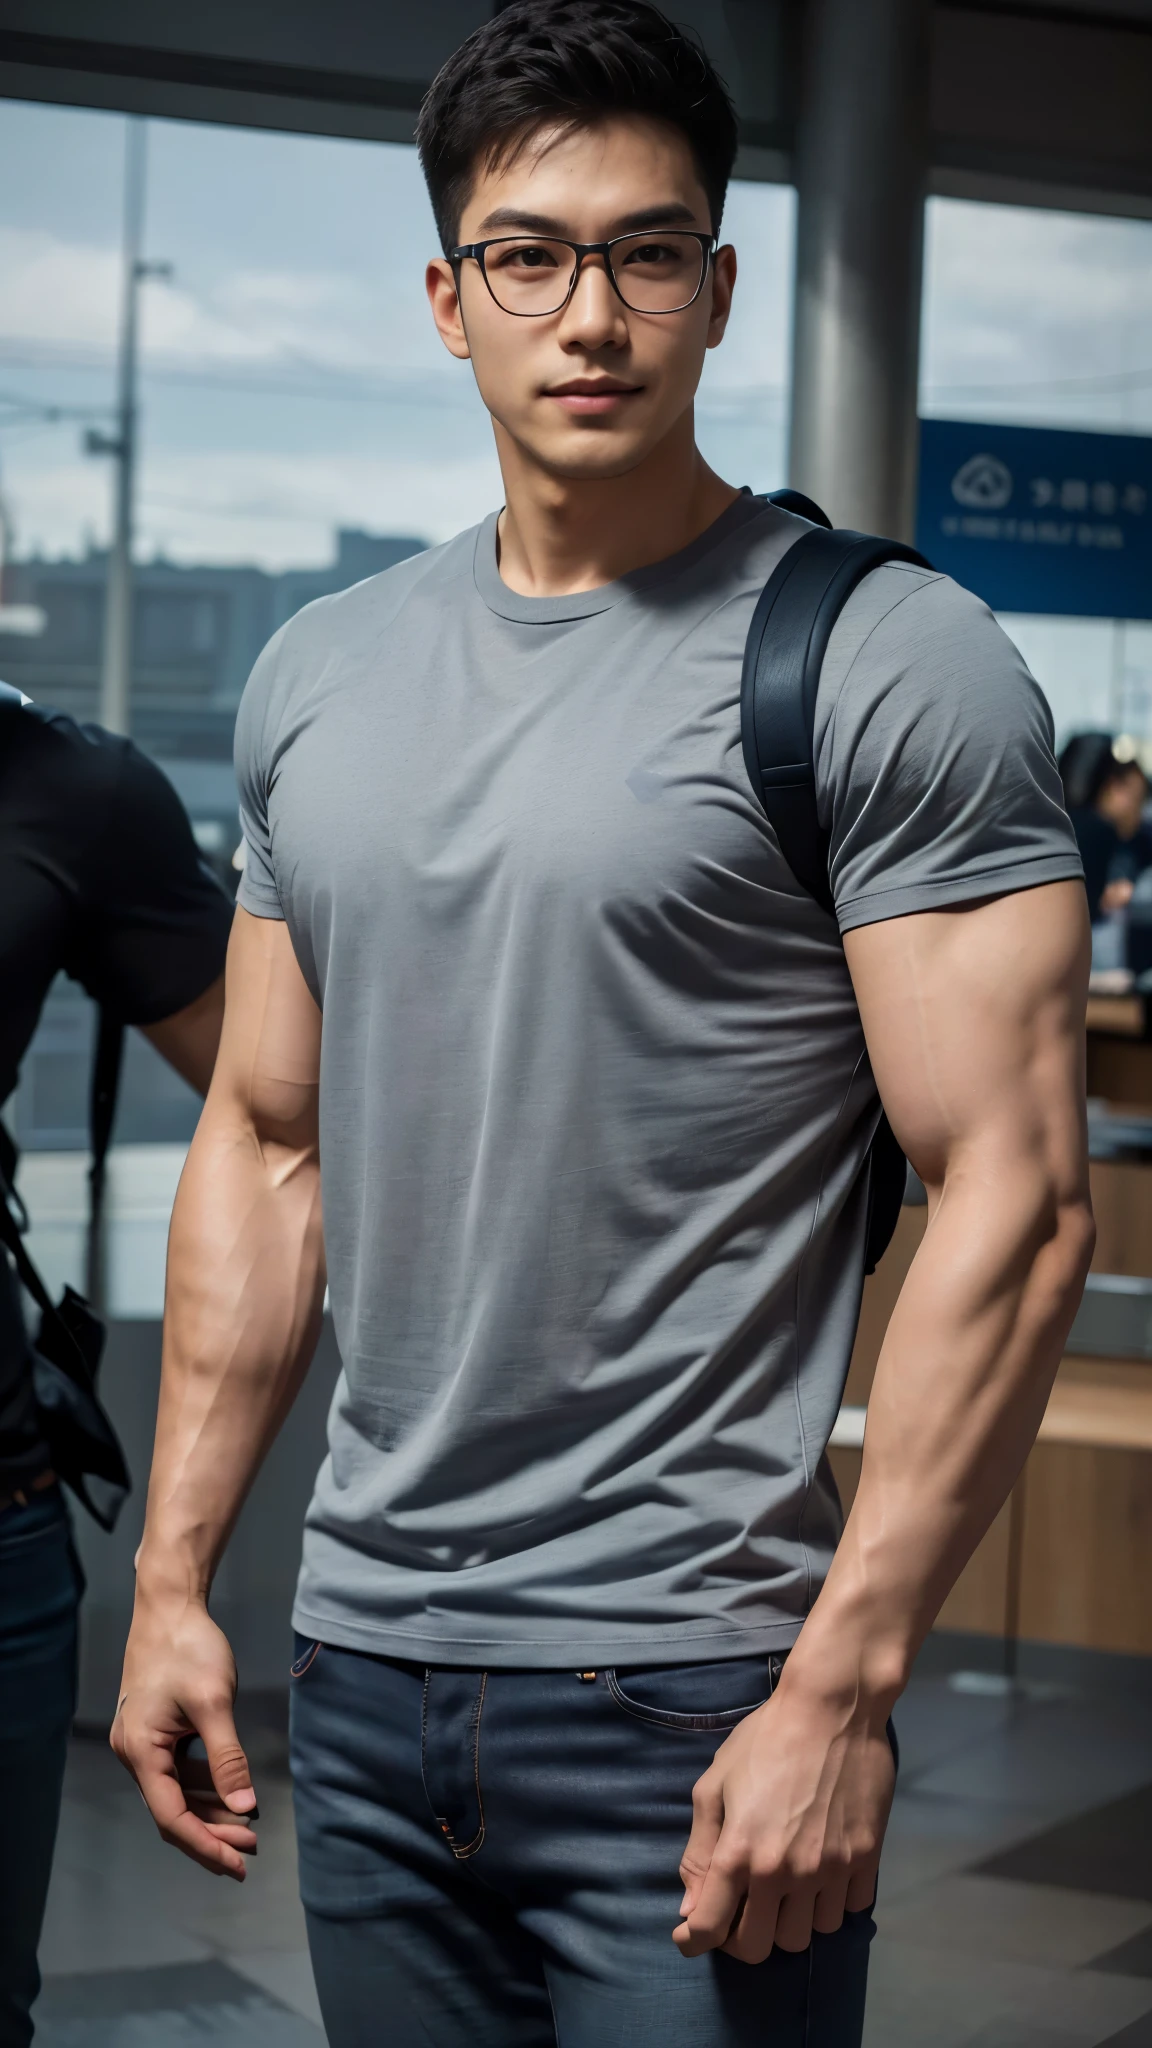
[244, 1296]
[960, 1390]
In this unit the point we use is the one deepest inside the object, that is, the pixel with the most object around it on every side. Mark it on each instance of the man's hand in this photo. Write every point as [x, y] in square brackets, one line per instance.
[179, 1682]
[241, 1318]
[787, 1827]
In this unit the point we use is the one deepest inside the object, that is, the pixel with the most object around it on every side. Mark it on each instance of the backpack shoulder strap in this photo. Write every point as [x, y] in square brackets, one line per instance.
[105, 1086]
[783, 656]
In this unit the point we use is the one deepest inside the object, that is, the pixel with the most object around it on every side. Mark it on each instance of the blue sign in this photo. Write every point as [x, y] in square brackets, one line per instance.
[1035, 519]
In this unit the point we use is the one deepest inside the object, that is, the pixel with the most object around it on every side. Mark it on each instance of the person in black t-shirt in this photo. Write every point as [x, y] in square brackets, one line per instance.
[99, 879]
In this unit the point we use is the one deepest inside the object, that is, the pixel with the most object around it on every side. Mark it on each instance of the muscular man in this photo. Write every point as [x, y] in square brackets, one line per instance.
[593, 1082]
[99, 879]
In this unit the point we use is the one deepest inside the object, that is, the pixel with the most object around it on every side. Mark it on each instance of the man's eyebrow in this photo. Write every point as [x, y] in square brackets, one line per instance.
[514, 220]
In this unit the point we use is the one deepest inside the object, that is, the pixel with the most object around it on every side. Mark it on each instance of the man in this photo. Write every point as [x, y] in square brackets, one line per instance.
[593, 1092]
[99, 879]
[1106, 798]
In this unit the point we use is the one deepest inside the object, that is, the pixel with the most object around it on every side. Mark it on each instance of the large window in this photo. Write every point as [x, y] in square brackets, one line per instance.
[1045, 319]
[302, 427]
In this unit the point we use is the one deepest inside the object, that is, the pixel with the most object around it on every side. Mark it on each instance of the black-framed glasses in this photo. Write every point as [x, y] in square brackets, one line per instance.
[660, 271]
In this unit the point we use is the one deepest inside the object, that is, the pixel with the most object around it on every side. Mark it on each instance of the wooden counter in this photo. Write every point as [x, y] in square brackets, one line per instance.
[1080, 1521]
[1119, 1050]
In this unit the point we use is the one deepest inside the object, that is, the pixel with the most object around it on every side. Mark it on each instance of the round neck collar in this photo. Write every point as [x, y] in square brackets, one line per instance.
[585, 604]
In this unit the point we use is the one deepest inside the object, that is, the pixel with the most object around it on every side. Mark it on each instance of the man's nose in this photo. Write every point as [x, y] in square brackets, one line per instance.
[594, 315]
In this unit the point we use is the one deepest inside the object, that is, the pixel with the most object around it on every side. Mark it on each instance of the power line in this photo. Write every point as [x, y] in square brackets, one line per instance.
[344, 385]
[31, 408]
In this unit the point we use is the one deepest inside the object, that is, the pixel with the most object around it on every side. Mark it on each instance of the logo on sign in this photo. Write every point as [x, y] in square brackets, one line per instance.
[984, 482]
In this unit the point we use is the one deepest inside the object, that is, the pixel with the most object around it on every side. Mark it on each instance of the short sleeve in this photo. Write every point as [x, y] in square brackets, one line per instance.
[934, 758]
[152, 922]
[258, 892]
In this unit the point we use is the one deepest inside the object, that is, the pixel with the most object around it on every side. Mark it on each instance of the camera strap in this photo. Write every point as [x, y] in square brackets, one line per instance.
[104, 1088]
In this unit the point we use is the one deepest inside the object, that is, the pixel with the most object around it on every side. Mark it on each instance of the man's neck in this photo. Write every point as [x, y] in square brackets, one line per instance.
[558, 535]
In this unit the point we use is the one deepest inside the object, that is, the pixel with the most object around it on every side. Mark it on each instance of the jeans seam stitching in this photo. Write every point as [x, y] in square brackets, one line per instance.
[688, 1724]
[424, 1741]
[477, 1842]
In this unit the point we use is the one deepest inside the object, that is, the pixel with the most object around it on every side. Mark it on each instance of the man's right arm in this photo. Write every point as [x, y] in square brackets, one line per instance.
[244, 1297]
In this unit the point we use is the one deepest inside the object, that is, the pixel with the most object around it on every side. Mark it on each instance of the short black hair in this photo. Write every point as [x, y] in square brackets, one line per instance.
[571, 62]
[1088, 764]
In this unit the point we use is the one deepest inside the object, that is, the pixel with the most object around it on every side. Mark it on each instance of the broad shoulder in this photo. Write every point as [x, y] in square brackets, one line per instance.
[910, 641]
[905, 612]
[370, 607]
[346, 630]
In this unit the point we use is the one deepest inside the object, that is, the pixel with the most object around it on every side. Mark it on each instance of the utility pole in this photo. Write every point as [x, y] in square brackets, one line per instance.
[116, 668]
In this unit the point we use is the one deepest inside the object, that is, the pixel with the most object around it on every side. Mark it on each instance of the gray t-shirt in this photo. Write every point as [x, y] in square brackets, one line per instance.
[595, 1100]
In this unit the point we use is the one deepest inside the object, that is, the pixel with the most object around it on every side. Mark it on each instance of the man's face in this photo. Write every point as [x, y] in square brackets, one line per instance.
[1122, 800]
[590, 390]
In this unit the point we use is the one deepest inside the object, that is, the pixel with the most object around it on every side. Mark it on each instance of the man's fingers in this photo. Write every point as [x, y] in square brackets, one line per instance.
[202, 1844]
[163, 1795]
[794, 1920]
[708, 1923]
[861, 1895]
[828, 1912]
[226, 1760]
[707, 1821]
[752, 1934]
[200, 1791]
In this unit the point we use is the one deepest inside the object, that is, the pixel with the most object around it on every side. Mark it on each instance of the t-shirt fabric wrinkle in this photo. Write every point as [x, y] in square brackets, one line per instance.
[595, 1099]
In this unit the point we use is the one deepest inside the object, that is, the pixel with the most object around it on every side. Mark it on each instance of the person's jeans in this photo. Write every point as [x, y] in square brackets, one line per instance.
[40, 1585]
[490, 1860]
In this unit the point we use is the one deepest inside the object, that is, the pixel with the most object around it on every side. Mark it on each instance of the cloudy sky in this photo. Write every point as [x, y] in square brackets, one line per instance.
[292, 381]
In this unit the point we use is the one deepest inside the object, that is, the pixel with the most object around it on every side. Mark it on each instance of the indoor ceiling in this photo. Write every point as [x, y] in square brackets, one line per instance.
[1048, 101]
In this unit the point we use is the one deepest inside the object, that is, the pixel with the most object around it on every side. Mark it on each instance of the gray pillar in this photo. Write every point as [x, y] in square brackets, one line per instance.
[116, 670]
[860, 171]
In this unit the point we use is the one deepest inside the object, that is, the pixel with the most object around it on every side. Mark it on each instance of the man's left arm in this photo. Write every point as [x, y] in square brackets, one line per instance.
[974, 1019]
[190, 1038]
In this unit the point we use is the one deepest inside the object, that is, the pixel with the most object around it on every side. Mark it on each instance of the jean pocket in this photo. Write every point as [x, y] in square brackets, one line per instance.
[697, 1698]
[306, 1655]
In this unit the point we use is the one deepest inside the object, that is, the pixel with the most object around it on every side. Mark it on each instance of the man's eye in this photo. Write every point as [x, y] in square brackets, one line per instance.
[526, 256]
[655, 253]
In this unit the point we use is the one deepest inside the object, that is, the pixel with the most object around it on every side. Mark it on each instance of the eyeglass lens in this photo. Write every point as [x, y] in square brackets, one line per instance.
[654, 273]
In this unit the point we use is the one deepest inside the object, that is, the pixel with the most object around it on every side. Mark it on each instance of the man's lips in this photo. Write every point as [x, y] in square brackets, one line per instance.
[584, 395]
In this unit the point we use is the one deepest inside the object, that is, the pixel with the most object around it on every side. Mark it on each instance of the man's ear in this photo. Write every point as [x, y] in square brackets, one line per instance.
[723, 285]
[440, 284]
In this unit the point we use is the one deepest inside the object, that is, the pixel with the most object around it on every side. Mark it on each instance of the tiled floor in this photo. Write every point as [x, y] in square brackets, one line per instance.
[1016, 1897]
[1016, 1891]
[142, 1949]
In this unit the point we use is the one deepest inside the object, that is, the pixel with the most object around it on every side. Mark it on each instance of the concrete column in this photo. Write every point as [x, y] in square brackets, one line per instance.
[860, 171]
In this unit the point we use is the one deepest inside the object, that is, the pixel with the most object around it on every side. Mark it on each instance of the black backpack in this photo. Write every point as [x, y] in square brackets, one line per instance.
[787, 641]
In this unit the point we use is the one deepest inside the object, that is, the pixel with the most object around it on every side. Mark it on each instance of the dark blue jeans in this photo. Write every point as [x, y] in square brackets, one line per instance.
[40, 1587]
[489, 1860]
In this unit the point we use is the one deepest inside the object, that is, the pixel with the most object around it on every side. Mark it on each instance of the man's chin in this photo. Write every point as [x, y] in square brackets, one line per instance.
[595, 458]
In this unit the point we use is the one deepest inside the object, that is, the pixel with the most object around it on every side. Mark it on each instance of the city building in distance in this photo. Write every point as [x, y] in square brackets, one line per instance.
[196, 633]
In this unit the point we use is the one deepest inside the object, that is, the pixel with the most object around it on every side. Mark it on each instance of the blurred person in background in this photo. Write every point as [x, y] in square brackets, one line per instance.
[1106, 797]
[100, 879]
